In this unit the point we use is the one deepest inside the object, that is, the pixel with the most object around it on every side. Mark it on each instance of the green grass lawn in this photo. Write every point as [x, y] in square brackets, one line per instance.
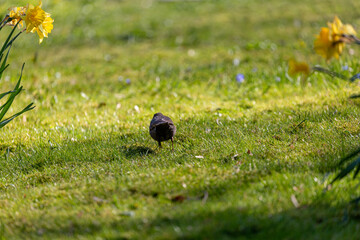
[251, 160]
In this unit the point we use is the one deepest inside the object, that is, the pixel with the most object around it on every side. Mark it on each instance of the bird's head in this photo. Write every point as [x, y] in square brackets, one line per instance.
[158, 114]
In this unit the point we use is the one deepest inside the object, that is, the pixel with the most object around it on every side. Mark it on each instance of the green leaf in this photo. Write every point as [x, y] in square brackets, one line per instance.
[3, 67]
[2, 70]
[351, 155]
[356, 171]
[354, 96]
[355, 201]
[347, 170]
[4, 108]
[4, 94]
[18, 83]
[5, 45]
[6, 121]
[4, 21]
[12, 40]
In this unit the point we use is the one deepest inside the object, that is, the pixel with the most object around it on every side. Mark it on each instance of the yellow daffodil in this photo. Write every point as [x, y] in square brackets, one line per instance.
[325, 45]
[298, 67]
[38, 20]
[331, 41]
[338, 29]
[16, 14]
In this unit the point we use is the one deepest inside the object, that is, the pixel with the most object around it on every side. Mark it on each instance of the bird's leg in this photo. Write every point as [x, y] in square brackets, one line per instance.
[172, 142]
[159, 144]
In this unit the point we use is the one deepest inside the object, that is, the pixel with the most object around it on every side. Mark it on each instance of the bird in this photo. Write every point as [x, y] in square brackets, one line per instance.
[162, 129]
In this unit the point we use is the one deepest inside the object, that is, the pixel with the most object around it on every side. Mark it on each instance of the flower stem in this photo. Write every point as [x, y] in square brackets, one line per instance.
[5, 21]
[329, 72]
[350, 38]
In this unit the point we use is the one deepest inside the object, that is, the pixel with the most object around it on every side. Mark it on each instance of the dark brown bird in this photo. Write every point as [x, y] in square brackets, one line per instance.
[162, 129]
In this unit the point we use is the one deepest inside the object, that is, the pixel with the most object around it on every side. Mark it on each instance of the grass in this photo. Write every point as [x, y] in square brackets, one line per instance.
[251, 160]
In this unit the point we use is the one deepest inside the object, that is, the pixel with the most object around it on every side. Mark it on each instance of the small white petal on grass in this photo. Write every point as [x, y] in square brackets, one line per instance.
[128, 213]
[191, 52]
[205, 197]
[177, 229]
[107, 57]
[236, 62]
[84, 95]
[295, 201]
[137, 109]
[58, 75]
[179, 40]
[230, 119]
[98, 200]
[199, 156]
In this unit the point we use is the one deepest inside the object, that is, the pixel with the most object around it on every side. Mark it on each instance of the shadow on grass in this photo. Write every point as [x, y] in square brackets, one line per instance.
[135, 150]
[318, 221]
[314, 222]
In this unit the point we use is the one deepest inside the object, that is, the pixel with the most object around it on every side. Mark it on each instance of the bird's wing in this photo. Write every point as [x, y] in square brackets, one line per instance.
[167, 119]
[160, 124]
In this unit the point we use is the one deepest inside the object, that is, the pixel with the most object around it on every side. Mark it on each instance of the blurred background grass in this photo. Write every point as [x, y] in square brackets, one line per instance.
[161, 45]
